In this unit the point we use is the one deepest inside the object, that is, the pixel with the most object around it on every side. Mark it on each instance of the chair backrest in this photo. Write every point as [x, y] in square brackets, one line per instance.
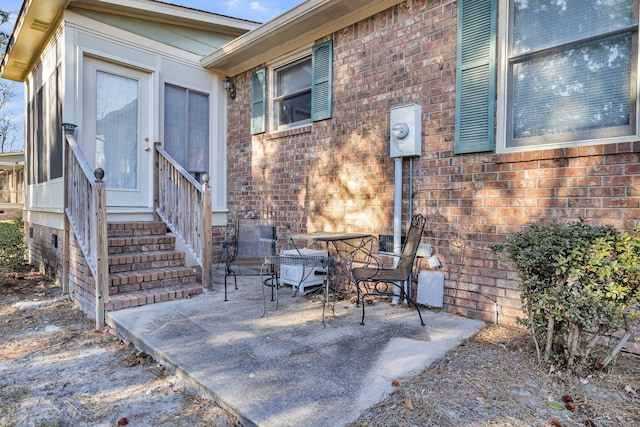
[414, 235]
[255, 234]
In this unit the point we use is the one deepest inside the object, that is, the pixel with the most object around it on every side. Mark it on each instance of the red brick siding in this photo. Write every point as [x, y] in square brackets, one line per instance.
[336, 174]
[82, 285]
[40, 250]
[41, 254]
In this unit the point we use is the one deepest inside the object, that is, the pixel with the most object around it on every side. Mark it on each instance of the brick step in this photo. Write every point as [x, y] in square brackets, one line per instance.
[136, 229]
[143, 280]
[136, 261]
[152, 296]
[120, 245]
[145, 268]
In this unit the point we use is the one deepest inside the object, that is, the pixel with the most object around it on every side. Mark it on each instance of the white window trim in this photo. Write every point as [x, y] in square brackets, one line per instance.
[502, 95]
[272, 126]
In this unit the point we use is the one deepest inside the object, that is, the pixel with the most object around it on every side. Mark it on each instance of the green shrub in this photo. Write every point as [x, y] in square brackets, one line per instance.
[11, 246]
[579, 283]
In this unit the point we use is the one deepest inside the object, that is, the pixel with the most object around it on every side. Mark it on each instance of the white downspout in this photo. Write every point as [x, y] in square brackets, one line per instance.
[405, 141]
[397, 221]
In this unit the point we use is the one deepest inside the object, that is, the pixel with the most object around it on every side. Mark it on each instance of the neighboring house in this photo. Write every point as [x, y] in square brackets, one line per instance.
[518, 112]
[11, 184]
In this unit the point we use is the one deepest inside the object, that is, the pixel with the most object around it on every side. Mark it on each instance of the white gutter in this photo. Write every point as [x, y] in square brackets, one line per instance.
[294, 29]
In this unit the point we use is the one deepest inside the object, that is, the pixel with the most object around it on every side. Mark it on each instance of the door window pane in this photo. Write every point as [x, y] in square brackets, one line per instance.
[117, 130]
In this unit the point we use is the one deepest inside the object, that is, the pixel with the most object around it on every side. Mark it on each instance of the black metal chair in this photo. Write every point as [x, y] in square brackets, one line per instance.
[377, 281]
[254, 239]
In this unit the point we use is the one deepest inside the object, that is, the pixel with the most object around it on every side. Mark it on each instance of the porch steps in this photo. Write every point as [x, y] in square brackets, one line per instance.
[145, 267]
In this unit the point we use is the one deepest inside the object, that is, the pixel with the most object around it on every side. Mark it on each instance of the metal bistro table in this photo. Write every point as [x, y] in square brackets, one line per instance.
[297, 260]
[342, 247]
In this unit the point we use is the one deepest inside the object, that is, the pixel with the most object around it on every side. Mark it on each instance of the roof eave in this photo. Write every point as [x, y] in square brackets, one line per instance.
[33, 26]
[38, 19]
[294, 29]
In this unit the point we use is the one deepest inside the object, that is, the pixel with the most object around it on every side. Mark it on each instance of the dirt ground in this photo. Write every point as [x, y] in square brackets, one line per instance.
[57, 370]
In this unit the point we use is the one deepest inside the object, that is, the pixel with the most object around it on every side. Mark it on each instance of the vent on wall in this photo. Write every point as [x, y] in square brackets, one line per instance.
[386, 242]
[39, 25]
[19, 65]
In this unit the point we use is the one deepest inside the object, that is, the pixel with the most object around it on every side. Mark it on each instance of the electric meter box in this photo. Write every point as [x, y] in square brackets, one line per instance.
[406, 130]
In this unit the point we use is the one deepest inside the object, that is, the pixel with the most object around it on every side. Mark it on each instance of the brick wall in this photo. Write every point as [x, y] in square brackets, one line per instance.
[45, 246]
[43, 253]
[337, 174]
[82, 285]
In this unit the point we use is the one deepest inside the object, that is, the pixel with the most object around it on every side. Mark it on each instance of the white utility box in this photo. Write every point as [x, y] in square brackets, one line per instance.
[406, 131]
[302, 277]
[430, 288]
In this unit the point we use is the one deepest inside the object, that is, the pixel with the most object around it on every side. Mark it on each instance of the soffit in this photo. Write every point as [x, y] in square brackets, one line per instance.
[36, 21]
[292, 30]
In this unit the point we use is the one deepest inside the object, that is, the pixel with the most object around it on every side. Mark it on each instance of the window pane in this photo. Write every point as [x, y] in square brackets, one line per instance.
[584, 88]
[40, 144]
[293, 93]
[198, 132]
[117, 129]
[175, 133]
[186, 128]
[295, 109]
[545, 23]
[55, 147]
[294, 77]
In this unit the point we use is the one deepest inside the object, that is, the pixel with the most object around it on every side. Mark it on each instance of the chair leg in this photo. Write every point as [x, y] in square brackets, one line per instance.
[360, 299]
[410, 301]
[230, 273]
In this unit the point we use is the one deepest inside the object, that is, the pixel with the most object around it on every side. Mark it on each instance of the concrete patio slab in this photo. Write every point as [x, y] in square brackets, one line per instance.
[285, 368]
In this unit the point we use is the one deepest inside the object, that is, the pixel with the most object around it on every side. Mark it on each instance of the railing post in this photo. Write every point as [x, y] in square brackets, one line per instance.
[102, 250]
[156, 179]
[207, 238]
[68, 129]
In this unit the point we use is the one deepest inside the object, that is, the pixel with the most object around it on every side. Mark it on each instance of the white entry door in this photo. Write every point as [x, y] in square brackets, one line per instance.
[116, 130]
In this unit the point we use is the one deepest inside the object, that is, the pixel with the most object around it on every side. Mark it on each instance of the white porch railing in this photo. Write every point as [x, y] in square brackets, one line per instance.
[185, 206]
[85, 207]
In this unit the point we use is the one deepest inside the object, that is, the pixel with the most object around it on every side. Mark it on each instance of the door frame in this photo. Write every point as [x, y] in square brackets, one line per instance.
[121, 200]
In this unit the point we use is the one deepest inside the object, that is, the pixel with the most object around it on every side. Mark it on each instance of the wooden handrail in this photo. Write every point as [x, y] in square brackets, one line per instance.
[85, 207]
[185, 206]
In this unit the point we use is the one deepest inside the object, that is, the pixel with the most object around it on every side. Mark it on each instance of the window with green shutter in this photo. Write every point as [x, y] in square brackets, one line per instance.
[476, 76]
[301, 91]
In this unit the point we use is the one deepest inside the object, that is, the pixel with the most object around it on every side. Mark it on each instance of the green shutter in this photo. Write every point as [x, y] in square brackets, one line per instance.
[321, 80]
[476, 76]
[258, 101]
